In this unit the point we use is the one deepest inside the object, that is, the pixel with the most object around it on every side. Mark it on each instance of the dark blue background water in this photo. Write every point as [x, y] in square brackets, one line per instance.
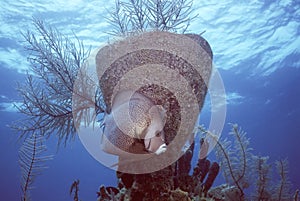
[257, 52]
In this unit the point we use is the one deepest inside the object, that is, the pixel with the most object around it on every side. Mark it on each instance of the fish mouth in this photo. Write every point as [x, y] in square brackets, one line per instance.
[162, 148]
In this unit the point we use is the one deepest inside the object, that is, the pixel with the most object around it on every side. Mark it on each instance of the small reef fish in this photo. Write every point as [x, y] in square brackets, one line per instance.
[134, 125]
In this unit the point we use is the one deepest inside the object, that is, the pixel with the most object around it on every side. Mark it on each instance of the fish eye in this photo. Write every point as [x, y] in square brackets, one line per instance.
[157, 134]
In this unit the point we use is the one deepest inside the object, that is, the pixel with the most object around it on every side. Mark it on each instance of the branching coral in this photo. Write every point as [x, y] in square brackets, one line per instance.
[55, 61]
[140, 15]
[296, 196]
[108, 194]
[263, 190]
[283, 189]
[47, 96]
[238, 163]
[31, 162]
[75, 188]
[235, 161]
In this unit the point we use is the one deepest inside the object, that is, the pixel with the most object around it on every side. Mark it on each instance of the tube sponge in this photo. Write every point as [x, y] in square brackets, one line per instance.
[212, 174]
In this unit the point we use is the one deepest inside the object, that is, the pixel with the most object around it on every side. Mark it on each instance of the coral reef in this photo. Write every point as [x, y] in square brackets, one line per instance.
[107, 193]
[235, 161]
[225, 192]
[176, 183]
[171, 183]
[56, 60]
[241, 168]
[179, 195]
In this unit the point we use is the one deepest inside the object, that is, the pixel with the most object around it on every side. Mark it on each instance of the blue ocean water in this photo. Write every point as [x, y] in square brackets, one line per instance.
[256, 47]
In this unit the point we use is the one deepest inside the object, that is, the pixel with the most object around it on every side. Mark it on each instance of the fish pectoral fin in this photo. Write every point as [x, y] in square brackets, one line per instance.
[140, 132]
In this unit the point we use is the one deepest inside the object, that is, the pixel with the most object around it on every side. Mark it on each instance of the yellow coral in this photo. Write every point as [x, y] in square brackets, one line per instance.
[179, 195]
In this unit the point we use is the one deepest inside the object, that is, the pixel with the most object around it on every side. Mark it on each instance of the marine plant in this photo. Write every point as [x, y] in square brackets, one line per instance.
[296, 196]
[47, 91]
[282, 191]
[263, 189]
[107, 193]
[238, 163]
[32, 162]
[234, 160]
[134, 16]
[55, 60]
[75, 188]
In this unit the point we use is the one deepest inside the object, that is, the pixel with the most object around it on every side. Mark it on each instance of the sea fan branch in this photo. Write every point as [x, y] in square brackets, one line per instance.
[135, 16]
[235, 164]
[238, 134]
[283, 189]
[223, 152]
[47, 92]
[263, 190]
[296, 195]
[75, 188]
[31, 162]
